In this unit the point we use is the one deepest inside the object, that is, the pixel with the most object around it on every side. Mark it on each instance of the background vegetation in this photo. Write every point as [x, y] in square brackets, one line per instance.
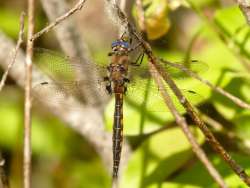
[212, 31]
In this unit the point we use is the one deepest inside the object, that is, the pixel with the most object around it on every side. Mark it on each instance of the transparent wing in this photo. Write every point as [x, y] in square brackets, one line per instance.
[140, 91]
[70, 77]
[195, 66]
[68, 95]
[145, 93]
[64, 68]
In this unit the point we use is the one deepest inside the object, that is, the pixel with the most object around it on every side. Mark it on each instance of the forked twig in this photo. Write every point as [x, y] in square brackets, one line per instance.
[179, 119]
[218, 89]
[245, 8]
[27, 106]
[208, 134]
[182, 99]
[77, 7]
[19, 42]
[184, 126]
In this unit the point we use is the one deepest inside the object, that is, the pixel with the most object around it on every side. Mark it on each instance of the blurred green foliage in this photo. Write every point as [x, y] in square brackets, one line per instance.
[62, 158]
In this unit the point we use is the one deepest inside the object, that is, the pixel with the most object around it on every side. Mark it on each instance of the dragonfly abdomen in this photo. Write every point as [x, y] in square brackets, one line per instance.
[117, 133]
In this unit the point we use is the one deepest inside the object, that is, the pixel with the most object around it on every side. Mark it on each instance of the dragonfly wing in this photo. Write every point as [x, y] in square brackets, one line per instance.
[73, 76]
[173, 68]
[64, 68]
[69, 95]
[145, 93]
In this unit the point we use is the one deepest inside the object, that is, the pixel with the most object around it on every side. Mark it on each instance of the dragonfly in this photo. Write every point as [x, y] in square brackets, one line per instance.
[122, 78]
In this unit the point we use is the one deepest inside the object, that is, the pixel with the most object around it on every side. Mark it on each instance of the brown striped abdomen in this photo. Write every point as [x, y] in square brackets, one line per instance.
[117, 133]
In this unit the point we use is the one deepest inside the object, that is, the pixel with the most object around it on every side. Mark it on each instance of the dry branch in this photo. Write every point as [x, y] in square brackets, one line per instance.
[208, 134]
[184, 126]
[87, 121]
[179, 119]
[77, 7]
[27, 152]
[73, 44]
[231, 97]
[190, 110]
[19, 42]
[245, 8]
[141, 15]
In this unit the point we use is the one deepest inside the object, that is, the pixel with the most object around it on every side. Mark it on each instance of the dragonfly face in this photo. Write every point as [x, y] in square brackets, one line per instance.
[120, 47]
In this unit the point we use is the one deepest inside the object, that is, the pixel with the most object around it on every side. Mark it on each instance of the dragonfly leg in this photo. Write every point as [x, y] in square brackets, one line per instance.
[111, 53]
[106, 78]
[139, 59]
[125, 89]
[108, 85]
[126, 80]
[109, 88]
[134, 48]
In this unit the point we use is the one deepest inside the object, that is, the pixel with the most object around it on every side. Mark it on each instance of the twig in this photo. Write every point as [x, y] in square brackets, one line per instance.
[233, 98]
[3, 178]
[73, 45]
[123, 5]
[77, 7]
[87, 121]
[240, 53]
[230, 134]
[165, 75]
[28, 104]
[208, 134]
[19, 42]
[141, 15]
[183, 124]
[245, 8]
[179, 120]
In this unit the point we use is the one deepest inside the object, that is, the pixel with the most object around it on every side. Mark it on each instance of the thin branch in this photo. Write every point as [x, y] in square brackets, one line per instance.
[27, 106]
[141, 15]
[77, 7]
[183, 124]
[230, 134]
[245, 8]
[233, 98]
[208, 134]
[179, 119]
[87, 121]
[123, 5]
[165, 75]
[3, 178]
[241, 54]
[73, 45]
[19, 42]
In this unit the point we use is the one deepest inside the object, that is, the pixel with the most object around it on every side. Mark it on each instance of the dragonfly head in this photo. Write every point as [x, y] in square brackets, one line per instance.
[120, 45]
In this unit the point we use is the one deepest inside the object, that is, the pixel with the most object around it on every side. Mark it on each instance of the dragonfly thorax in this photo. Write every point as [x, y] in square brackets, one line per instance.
[118, 70]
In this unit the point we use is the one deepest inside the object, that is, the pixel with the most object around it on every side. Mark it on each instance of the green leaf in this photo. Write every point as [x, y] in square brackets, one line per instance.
[9, 22]
[189, 176]
[157, 158]
[233, 25]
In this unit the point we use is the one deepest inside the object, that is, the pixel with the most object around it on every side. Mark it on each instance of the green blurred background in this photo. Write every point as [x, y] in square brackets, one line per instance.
[213, 31]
